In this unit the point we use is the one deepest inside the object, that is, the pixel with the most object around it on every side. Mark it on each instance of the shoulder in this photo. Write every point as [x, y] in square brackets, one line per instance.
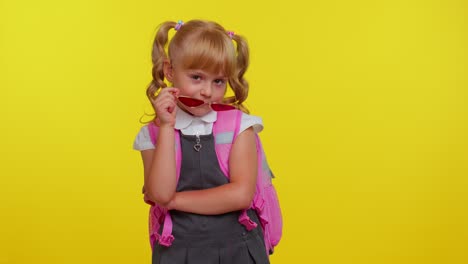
[253, 121]
[246, 120]
[143, 140]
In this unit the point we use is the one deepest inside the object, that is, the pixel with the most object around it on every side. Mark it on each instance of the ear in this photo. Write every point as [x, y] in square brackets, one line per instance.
[167, 68]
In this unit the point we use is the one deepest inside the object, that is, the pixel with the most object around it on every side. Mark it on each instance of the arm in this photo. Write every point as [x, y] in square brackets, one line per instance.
[160, 164]
[237, 194]
[160, 168]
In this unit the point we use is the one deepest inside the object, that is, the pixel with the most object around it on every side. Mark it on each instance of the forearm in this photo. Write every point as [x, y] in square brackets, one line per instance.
[225, 198]
[234, 196]
[161, 180]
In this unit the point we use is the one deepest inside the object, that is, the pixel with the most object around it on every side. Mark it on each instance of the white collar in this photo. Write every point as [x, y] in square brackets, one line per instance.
[184, 120]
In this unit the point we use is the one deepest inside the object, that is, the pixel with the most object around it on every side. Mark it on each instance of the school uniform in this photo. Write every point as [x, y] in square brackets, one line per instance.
[206, 239]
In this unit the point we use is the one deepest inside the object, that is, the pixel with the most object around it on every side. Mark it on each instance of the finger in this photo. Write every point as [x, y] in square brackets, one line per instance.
[166, 106]
[174, 111]
[163, 99]
[161, 94]
[170, 90]
[176, 92]
[166, 100]
[171, 109]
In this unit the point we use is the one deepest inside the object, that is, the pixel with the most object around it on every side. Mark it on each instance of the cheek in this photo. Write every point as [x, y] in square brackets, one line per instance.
[186, 88]
[219, 93]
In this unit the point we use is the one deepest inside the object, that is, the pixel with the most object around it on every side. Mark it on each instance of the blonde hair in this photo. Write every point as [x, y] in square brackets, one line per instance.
[200, 44]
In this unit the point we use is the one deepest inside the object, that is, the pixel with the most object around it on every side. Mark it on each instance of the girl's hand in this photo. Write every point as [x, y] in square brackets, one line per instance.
[165, 106]
[171, 204]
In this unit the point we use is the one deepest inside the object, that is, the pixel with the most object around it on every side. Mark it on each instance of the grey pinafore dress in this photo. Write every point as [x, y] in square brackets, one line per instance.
[207, 239]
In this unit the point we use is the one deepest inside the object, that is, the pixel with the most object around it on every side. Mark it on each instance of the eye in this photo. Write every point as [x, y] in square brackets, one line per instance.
[220, 82]
[195, 77]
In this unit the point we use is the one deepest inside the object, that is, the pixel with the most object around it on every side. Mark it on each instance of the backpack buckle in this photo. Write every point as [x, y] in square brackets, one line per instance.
[245, 220]
[166, 240]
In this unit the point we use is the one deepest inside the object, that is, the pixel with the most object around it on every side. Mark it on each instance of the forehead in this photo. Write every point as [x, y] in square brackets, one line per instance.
[210, 69]
[211, 55]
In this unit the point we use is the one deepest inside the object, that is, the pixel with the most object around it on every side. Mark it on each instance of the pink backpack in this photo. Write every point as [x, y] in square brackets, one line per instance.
[265, 201]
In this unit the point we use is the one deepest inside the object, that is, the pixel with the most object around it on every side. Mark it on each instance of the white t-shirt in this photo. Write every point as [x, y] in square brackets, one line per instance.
[191, 125]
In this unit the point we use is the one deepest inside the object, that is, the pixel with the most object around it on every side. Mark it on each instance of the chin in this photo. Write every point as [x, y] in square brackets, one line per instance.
[196, 111]
[199, 112]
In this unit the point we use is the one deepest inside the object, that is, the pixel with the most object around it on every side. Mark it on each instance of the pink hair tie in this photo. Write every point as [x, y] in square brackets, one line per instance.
[178, 25]
[230, 34]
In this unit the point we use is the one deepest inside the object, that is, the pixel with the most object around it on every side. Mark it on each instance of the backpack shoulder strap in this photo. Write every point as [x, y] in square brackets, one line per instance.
[153, 132]
[225, 130]
[228, 121]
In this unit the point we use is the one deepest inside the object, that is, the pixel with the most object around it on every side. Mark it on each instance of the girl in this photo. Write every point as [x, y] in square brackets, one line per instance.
[202, 60]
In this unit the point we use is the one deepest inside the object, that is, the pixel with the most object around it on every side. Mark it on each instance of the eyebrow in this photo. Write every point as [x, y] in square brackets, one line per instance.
[202, 72]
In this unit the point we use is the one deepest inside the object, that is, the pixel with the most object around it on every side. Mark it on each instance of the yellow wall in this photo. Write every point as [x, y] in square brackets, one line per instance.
[366, 126]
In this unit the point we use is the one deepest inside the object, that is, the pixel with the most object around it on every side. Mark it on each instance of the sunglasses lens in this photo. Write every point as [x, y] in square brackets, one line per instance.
[222, 107]
[190, 102]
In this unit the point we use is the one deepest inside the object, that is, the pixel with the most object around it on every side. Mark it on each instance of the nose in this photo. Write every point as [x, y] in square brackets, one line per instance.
[206, 90]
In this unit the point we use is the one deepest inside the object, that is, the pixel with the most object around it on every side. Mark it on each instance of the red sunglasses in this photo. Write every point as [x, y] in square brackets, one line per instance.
[192, 102]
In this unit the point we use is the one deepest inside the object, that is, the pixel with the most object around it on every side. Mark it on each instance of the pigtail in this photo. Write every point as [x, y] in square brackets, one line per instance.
[238, 83]
[158, 56]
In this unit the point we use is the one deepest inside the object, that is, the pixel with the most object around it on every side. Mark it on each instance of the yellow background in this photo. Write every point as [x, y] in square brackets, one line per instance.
[366, 126]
